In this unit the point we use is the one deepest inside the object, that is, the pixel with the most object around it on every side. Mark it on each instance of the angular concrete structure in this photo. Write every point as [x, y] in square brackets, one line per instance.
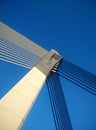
[16, 104]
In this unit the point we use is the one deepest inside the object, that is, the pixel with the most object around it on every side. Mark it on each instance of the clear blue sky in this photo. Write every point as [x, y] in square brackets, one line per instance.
[70, 28]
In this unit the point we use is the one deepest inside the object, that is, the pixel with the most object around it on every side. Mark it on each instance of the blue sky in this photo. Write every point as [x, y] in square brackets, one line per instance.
[70, 28]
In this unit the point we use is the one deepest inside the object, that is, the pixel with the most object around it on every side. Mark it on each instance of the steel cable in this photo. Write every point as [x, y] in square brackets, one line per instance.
[76, 77]
[61, 116]
[14, 54]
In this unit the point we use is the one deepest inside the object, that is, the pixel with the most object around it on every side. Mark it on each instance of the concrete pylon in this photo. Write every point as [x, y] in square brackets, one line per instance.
[16, 104]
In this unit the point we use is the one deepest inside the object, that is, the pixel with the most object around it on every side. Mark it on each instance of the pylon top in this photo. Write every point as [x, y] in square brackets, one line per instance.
[49, 62]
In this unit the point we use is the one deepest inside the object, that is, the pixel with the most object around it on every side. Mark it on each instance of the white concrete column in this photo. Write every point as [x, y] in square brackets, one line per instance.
[16, 104]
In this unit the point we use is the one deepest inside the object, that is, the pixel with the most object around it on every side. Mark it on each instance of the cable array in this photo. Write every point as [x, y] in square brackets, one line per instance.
[78, 76]
[13, 53]
[58, 104]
